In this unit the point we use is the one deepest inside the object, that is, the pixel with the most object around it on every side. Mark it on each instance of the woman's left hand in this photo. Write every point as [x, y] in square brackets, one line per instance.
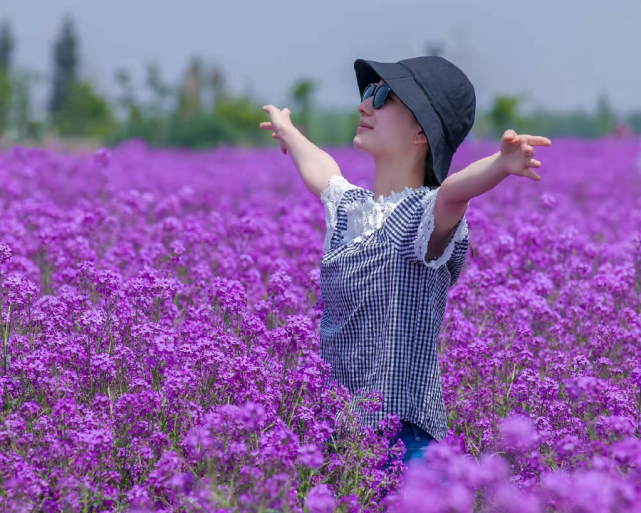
[517, 152]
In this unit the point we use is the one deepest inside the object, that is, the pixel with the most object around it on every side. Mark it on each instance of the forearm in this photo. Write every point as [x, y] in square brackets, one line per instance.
[313, 164]
[476, 179]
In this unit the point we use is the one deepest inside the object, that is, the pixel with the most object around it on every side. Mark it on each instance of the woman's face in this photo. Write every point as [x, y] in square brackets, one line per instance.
[394, 129]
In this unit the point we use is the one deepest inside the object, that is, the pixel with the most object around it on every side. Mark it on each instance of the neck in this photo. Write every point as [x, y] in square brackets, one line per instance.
[397, 173]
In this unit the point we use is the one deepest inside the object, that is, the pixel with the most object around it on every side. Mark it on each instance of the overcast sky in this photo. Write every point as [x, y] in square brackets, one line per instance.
[562, 52]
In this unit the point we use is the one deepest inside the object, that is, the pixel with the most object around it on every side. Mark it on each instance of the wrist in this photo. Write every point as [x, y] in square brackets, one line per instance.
[500, 166]
[290, 134]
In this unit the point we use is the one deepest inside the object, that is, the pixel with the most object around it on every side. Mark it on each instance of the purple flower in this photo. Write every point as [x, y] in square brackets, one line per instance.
[320, 500]
[310, 455]
[518, 433]
[21, 290]
[5, 253]
[108, 387]
[252, 415]
[102, 156]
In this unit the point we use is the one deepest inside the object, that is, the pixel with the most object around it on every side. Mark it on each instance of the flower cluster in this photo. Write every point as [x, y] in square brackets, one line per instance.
[160, 346]
[159, 322]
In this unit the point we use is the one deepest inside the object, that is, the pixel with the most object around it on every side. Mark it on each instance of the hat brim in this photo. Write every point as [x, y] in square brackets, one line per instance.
[402, 83]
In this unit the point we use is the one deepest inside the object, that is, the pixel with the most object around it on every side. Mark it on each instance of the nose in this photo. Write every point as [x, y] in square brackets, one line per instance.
[367, 107]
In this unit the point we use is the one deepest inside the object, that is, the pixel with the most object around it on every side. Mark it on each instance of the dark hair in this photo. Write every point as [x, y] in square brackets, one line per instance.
[430, 176]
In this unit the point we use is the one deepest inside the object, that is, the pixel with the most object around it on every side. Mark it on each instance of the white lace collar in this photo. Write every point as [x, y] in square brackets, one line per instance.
[397, 197]
[366, 216]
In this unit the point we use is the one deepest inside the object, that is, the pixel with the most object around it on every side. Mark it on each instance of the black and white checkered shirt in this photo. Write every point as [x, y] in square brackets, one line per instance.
[383, 302]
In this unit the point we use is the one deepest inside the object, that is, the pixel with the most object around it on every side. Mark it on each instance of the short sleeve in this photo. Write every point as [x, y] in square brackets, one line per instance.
[333, 198]
[455, 252]
[415, 226]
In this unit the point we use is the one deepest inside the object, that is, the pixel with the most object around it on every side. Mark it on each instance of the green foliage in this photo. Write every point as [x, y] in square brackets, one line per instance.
[334, 128]
[17, 117]
[301, 94]
[7, 46]
[5, 99]
[604, 115]
[242, 115]
[201, 131]
[634, 119]
[504, 114]
[551, 124]
[85, 113]
[202, 112]
[232, 122]
[65, 65]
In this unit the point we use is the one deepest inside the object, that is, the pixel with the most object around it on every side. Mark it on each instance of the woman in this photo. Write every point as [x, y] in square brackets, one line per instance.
[391, 256]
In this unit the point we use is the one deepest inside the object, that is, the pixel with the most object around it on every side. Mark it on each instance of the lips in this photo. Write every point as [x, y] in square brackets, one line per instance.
[365, 125]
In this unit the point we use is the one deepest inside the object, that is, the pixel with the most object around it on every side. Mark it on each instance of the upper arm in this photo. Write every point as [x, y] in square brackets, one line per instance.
[323, 183]
[442, 236]
[332, 199]
[320, 181]
[447, 217]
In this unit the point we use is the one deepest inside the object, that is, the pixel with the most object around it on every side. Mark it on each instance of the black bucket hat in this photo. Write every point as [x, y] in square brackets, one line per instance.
[439, 94]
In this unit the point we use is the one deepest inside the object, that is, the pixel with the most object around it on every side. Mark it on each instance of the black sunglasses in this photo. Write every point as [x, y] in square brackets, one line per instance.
[380, 93]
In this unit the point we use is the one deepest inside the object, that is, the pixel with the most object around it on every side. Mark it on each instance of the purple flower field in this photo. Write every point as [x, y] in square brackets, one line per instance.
[159, 317]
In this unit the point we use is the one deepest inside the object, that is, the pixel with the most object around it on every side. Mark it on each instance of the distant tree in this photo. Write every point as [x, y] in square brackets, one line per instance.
[7, 46]
[85, 113]
[190, 96]
[127, 101]
[634, 119]
[334, 127]
[127, 97]
[605, 117]
[217, 83]
[301, 93]
[504, 114]
[65, 65]
[20, 121]
[559, 124]
[160, 91]
[243, 115]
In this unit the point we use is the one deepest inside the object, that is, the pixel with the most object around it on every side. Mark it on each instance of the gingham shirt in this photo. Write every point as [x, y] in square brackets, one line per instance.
[383, 302]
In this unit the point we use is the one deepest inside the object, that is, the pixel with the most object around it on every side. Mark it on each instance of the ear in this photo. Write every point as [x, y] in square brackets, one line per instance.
[420, 138]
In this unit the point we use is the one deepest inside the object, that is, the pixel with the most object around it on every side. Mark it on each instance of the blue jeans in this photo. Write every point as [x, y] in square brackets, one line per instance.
[415, 440]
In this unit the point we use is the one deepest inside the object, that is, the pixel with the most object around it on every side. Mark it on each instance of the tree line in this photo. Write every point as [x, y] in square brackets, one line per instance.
[201, 111]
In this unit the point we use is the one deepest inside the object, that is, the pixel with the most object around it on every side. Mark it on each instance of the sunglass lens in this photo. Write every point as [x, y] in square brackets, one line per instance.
[381, 96]
[368, 91]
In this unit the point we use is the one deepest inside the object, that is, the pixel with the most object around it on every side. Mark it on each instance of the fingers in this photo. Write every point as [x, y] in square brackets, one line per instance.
[271, 109]
[536, 140]
[269, 125]
[533, 140]
[533, 176]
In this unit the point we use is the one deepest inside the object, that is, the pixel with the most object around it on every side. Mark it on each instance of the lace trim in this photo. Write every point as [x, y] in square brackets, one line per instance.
[425, 229]
[331, 197]
[396, 197]
[366, 216]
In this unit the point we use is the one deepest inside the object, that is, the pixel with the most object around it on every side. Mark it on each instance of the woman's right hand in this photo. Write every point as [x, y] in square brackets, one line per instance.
[279, 122]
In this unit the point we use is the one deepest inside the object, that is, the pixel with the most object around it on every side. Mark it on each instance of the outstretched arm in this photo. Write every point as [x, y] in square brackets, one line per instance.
[314, 165]
[452, 200]
[514, 158]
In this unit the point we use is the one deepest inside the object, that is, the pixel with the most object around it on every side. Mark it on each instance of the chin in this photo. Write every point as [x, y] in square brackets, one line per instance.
[359, 144]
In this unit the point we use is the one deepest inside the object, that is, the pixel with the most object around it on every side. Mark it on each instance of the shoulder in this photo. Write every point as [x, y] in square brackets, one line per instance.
[337, 188]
